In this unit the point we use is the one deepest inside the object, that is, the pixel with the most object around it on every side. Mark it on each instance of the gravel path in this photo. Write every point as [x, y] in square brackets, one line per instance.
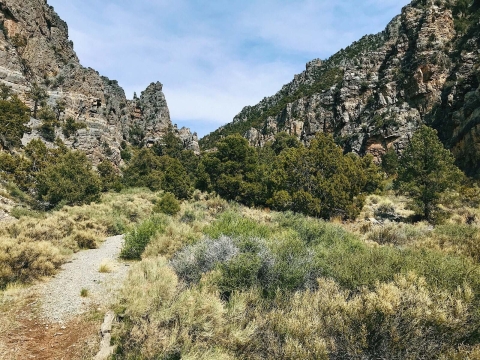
[60, 297]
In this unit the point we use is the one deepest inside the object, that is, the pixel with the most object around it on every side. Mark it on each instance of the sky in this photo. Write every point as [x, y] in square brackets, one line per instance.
[214, 57]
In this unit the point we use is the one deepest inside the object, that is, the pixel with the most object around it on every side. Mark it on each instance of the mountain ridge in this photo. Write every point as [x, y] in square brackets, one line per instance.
[374, 94]
[35, 49]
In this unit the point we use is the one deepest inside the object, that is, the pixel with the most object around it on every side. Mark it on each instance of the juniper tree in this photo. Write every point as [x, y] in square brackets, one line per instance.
[426, 172]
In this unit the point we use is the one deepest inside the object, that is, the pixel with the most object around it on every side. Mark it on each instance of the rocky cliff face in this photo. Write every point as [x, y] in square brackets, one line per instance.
[373, 95]
[34, 48]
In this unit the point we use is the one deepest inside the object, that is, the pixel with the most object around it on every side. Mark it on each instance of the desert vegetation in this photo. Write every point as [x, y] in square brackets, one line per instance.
[284, 252]
[233, 282]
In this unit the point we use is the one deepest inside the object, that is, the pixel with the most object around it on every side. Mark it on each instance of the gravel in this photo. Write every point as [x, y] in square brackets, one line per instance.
[60, 297]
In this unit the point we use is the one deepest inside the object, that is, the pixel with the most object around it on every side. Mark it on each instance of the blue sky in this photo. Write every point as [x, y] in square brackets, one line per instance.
[214, 57]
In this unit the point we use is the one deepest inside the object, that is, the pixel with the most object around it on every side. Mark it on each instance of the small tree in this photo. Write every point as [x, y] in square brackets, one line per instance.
[109, 176]
[426, 171]
[13, 119]
[5, 91]
[70, 180]
[168, 204]
[37, 94]
[59, 108]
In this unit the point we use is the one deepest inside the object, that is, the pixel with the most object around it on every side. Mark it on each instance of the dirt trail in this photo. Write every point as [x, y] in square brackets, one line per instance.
[52, 320]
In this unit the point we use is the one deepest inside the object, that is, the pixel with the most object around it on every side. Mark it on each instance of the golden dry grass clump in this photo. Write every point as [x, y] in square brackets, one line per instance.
[33, 247]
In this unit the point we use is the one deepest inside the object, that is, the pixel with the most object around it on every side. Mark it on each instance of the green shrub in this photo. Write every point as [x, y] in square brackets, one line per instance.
[168, 204]
[240, 273]
[70, 180]
[233, 224]
[137, 240]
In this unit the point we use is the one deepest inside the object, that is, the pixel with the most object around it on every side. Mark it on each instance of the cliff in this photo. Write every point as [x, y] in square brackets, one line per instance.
[423, 68]
[35, 49]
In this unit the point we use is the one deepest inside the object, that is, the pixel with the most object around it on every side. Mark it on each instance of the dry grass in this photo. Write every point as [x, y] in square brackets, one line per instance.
[106, 266]
[381, 310]
[31, 247]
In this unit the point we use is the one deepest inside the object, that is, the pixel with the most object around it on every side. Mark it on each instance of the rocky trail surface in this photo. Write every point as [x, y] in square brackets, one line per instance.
[52, 320]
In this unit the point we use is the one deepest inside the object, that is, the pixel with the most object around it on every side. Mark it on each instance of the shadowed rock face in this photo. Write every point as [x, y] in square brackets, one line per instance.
[375, 93]
[34, 48]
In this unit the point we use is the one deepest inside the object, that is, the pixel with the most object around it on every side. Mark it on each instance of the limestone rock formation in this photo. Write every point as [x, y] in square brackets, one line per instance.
[34, 49]
[423, 68]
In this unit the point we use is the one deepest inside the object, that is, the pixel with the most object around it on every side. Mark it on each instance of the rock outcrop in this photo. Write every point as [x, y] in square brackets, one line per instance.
[423, 68]
[34, 49]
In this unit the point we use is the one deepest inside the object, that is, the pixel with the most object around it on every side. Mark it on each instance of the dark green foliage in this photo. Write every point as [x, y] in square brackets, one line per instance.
[144, 171]
[38, 95]
[169, 145]
[109, 176]
[70, 127]
[5, 91]
[158, 172]
[390, 162]
[284, 141]
[70, 180]
[175, 178]
[321, 181]
[233, 171]
[40, 155]
[17, 170]
[49, 123]
[240, 273]
[426, 172]
[136, 135]
[59, 108]
[125, 154]
[168, 204]
[137, 240]
[13, 117]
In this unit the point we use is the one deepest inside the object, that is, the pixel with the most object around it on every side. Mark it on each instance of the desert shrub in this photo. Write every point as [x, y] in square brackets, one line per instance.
[457, 238]
[240, 273]
[233, 224]
[397, 234]
[150, 283]
[385, 210]
[355, 265]
[402, 319]
[137, 240]
[20, 211]
[162, 322]
[168, 204]
[188, 217]
[292, 267]
[28, 260]
[175, 237]
[85, 240]
[194, 260]
[313, 231]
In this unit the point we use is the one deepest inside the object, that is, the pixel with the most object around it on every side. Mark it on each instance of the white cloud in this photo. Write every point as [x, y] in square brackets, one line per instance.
[214, 57]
